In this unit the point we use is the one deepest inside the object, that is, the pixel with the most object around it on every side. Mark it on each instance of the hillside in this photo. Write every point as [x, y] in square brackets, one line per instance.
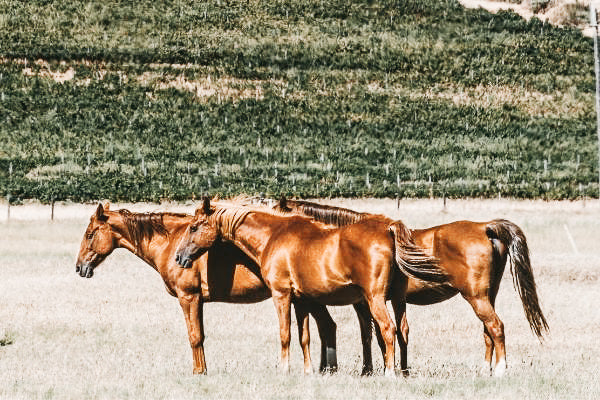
[169, 100]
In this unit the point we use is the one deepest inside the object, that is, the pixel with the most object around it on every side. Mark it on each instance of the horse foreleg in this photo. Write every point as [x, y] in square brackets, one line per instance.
[282, 301]
[192, 311]
[495, 330]
[304, 334]
[326, 327]
[387, 328]
[365, 323]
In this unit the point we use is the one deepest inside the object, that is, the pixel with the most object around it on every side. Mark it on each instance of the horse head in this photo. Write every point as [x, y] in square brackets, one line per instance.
[199, 236]
[98, 242]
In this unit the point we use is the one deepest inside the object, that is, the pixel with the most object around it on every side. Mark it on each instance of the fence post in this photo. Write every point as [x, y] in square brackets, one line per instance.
[52, 211]
[594, 24]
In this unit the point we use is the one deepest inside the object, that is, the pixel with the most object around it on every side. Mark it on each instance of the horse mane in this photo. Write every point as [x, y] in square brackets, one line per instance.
[141, 226]
[228, 217]
[331, 215]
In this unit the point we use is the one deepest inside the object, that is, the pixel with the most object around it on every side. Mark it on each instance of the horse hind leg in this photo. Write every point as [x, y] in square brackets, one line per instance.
[399, 305]
[304, 335]
[493, 331]
[327, 328]
[366, 336]
[489, 351]
[387, 328]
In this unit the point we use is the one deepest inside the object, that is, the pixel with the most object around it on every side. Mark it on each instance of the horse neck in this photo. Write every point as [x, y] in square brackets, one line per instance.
[151, 248]
[252, 234]
[331, 215]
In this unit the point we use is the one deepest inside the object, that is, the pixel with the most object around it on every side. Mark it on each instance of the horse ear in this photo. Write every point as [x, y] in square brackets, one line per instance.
[283, 202]
[106, 205]
[206, 205]
[100, 216]
[204, 208]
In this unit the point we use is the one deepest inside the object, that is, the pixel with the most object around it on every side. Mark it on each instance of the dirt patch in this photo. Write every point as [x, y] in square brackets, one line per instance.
[556, 12]
[226, 88]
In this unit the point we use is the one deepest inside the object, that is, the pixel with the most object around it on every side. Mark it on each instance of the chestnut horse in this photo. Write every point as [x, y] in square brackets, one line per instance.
[301, 259]
[473, 256]
[224, 274]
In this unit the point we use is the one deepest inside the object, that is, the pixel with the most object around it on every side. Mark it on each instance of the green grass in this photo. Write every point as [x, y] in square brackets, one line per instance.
[119, 335]
[171, 100]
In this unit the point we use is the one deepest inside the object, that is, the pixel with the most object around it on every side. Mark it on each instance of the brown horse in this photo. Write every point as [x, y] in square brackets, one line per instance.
[473, 256]
[223, 274]
[301, 259]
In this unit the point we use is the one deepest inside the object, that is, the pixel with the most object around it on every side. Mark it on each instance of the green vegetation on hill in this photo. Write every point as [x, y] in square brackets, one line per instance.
[154, 100]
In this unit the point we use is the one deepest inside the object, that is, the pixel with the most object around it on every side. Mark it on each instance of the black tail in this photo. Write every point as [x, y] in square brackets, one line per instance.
[411, 259]
[520, 267]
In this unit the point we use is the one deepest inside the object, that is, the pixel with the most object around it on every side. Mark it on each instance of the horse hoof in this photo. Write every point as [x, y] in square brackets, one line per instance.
[405, 373]
[367, 371]
[390, 373]
[328, 370]
[199, 371]
[500, 369]
[486, 369]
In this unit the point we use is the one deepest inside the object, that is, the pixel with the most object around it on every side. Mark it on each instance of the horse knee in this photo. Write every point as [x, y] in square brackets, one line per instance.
[389, 333]
[496, 330]
[488, 340]
[404, 329]
[196, 340]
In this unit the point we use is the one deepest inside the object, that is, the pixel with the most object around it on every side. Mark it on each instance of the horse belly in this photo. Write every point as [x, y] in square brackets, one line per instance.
[339, 296]
[239, 286]
[424, 295]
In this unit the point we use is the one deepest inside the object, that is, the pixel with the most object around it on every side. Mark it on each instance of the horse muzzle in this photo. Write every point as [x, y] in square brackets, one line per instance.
[184, 261]
[84, 270]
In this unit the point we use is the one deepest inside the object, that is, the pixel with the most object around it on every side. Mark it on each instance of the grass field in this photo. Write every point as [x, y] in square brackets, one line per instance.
[119, 335]
[167, 100]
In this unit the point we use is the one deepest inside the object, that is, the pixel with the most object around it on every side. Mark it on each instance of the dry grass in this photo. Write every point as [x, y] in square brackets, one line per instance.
[119, 335]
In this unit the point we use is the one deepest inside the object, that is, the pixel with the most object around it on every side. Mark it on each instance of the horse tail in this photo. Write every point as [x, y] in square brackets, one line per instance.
[520, 268]
[411, 259]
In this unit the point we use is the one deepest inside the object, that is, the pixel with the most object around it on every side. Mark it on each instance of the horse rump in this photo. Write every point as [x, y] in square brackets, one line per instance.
[412, 259]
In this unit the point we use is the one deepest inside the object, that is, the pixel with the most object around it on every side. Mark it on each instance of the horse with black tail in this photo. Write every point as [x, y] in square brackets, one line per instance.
[473, 256]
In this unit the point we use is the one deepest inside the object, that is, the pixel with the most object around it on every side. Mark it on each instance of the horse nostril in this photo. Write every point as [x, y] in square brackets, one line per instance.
[177, 258]
[77, 268]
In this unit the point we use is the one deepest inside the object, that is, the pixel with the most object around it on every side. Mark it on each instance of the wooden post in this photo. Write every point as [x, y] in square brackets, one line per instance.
[8, 208]
[52, 211]
[571, 240]
[594, 24]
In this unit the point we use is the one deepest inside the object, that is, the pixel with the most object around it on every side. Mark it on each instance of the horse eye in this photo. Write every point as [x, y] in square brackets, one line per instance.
[193, 228]
[90, 235]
